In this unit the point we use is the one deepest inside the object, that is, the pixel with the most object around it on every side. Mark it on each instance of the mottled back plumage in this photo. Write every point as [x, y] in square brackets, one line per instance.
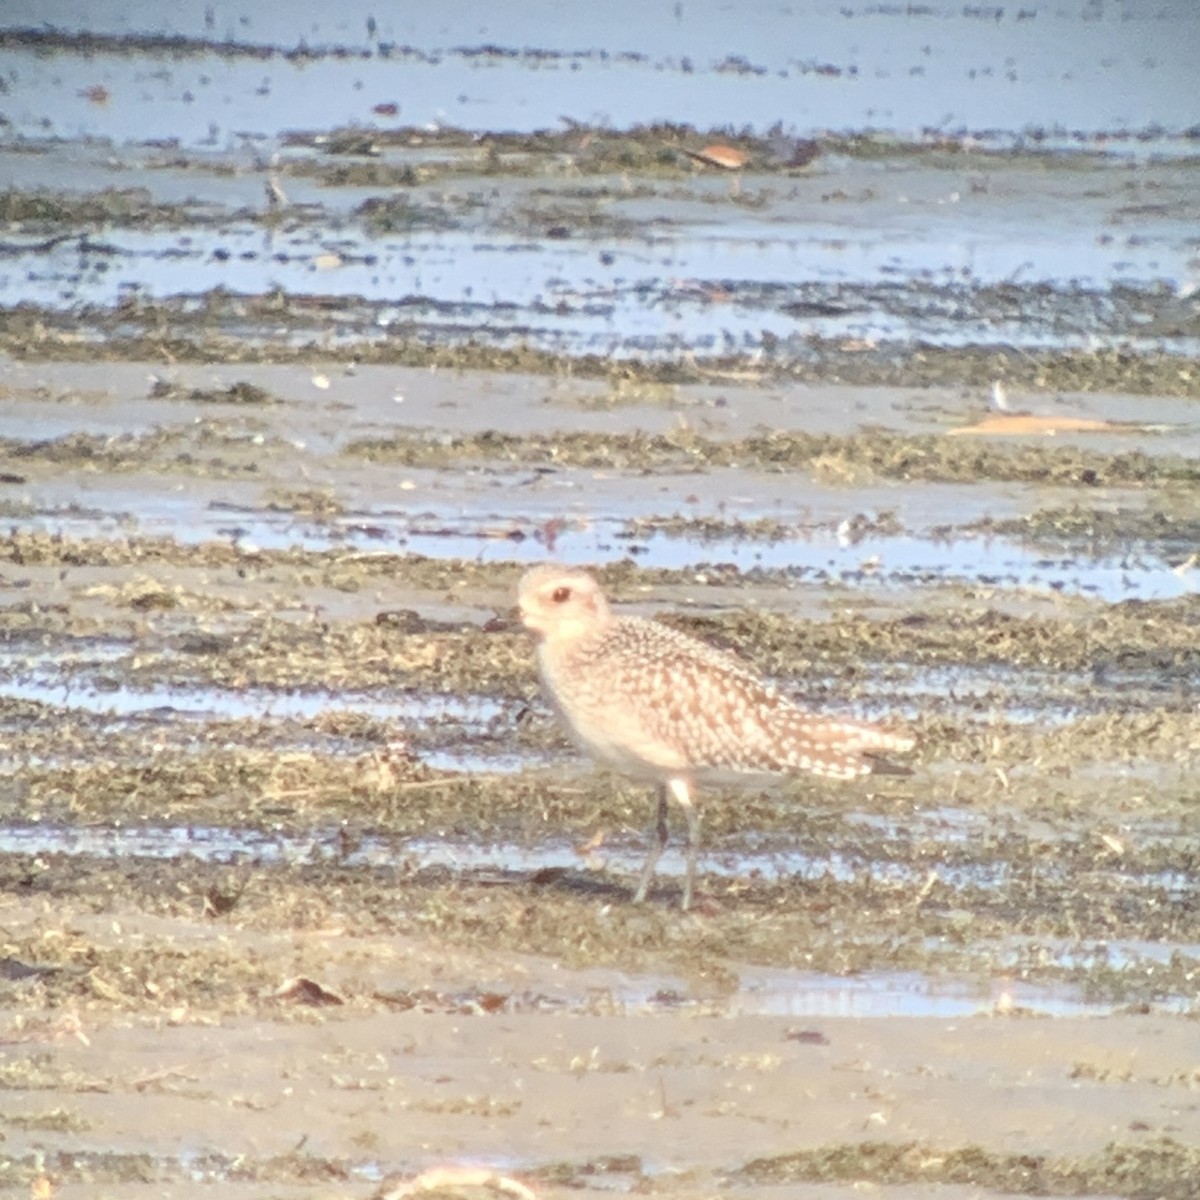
[661, 705]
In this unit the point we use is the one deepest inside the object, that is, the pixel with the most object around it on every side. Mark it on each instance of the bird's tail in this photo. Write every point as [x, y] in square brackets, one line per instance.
[844, 749]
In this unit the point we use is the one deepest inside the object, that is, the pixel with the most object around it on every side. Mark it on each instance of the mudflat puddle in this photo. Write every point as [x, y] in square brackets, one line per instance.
[759, 991]
[323, 326]
[835, 554]
[657, 278]
[230, 189]
[477, 733]
[606, 522]
[497, 863]
[250, 71]
[686, 288]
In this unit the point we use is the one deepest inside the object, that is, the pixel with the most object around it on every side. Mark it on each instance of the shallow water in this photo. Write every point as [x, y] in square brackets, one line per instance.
[297, 873]
[760, 991]
[909, 256]
[819, 556]
[906, 246]
[1094, 69]
[689, 285]
[900, 994]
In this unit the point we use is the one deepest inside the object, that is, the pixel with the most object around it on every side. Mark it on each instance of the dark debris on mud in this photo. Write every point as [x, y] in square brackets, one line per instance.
[860, 456]
[866, 922]
[876, 876]
[214, 327]
[1162, 1170]
[168, 862]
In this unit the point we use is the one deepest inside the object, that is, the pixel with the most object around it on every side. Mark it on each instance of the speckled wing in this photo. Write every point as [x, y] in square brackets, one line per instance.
[677, 701]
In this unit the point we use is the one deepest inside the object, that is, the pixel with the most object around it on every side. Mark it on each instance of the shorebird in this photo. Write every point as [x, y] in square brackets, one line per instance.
[276, 196]
[662, 706]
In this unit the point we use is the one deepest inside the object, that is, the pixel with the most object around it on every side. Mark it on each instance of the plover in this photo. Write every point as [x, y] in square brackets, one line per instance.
[662, 706]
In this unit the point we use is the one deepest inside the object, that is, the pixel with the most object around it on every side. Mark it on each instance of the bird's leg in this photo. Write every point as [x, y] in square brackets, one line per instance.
[658, 834]
[683, 796]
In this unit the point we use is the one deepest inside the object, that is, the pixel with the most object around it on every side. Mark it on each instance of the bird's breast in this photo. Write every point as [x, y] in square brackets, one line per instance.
[603, 721]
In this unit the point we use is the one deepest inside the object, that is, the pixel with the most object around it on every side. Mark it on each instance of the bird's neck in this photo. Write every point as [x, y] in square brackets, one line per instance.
[572, 639]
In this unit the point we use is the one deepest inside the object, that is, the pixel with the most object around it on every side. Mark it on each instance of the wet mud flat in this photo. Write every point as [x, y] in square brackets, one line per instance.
[876, 263]
[304, 891]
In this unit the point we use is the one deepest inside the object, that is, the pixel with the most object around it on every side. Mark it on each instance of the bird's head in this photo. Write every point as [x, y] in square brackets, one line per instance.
[560, 603]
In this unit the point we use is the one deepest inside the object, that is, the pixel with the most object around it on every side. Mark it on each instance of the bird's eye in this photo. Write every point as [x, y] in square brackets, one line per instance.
[560, 595]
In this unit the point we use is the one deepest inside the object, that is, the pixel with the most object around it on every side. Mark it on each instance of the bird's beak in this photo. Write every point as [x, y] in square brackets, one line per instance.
[528, 619]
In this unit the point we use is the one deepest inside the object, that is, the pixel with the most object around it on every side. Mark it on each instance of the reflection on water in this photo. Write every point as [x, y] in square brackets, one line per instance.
[738, 286]
[897, 248]
[761, 991]
[502, 863]
[900, 994]
[1058, 69]
[480, 734]
[811, 555]
[202, 704]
